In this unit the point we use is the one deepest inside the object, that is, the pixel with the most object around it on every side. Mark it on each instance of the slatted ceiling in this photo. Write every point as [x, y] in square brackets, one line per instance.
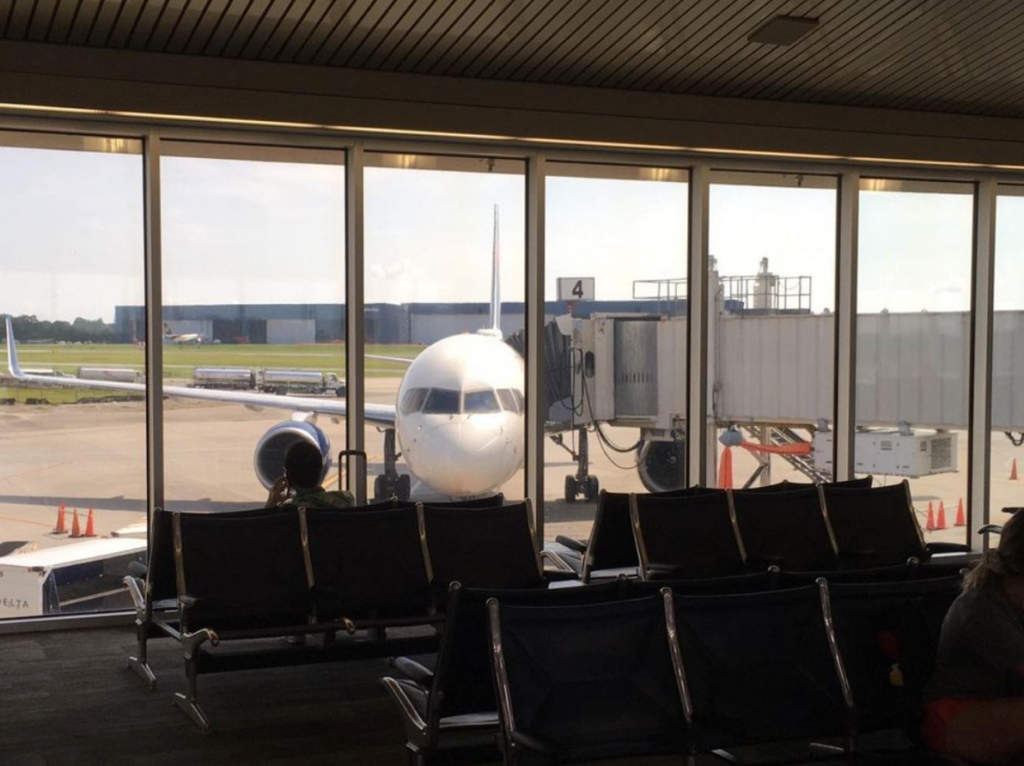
[363, 34]
[469, 28]
[414, 49]
[646, 35]
[688, 46]
[737, 53]
[558, 46]
[578, 57]
[185, 26]
[980, 74]
[506, 61]
[413, 21]
[284, 30]
[397, 19]
[939, 55]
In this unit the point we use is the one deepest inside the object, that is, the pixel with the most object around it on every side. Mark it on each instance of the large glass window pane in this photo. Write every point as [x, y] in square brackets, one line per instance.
[72, 445]
[772, 242]
[1007, 462]
[615, 286]
[254, 317]
[437, 230]
[913, 336]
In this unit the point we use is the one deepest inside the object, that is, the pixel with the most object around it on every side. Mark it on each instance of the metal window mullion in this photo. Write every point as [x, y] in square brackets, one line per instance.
[534, 447]
[845, 345]
[980, 368]
[153, 256]
[355, 385]
[701, 470]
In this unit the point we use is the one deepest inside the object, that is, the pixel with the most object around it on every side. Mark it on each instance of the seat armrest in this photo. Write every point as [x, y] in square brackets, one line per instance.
[137, 590]
[572, 544]
[560, 575]
[560, 563]
[414, 671]
[413, 721]
[933, 548]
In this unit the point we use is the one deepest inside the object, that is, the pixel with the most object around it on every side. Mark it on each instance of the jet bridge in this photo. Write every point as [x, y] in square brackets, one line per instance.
[770, 375]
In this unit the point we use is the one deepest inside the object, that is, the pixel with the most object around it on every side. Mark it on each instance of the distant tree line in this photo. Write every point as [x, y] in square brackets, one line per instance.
[29, 328]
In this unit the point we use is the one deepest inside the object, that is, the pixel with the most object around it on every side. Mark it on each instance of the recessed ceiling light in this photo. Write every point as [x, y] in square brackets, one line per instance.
[782, 30]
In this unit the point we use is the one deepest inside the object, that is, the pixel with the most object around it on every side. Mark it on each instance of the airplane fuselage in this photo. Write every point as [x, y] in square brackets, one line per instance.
[460, 412]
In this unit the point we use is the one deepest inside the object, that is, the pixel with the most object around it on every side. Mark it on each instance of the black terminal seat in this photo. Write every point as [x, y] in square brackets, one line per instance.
[750, 582]
[481, 547]
[238, 577]
[155, 591]
[761, 668]
[877, 525]
[367, 566]
[585, 683]
[686, 537]
[888, 636]
[454, 706]
[611, 550]
[787, 529]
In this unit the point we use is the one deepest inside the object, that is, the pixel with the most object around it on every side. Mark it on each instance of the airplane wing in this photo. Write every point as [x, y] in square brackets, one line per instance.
[378, 414]
[396, 359]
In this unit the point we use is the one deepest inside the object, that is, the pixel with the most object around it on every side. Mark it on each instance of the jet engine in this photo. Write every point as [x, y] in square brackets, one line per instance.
[268, 459]
[662, 464]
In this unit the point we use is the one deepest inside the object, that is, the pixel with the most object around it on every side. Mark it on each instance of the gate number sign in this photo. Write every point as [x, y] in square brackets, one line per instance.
[575, 288]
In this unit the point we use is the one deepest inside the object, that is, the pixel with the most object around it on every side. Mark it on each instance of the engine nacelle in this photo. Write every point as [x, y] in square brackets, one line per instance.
[662, 465]
[268, 459]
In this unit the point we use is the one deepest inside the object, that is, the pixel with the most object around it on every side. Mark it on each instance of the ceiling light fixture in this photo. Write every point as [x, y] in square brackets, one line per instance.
[783, 30]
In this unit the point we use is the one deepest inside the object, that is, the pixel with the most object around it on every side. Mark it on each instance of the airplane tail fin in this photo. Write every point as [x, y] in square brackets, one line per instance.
[494, 327]
[12, 353]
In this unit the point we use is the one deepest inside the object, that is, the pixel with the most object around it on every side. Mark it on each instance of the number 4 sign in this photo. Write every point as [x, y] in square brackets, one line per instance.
[575, 288]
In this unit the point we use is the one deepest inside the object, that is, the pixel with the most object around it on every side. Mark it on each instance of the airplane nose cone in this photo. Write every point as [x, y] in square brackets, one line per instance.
[460, 457]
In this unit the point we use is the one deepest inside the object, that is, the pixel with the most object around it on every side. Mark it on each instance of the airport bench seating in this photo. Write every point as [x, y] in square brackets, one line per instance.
[452, 706]
[236, 580]
[777, 670]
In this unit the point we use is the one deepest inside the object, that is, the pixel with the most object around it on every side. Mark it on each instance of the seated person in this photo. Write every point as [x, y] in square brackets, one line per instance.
[300, 485]
[975, 701]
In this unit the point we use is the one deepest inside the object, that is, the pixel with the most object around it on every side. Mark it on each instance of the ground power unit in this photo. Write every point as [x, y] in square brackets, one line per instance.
[894, 453]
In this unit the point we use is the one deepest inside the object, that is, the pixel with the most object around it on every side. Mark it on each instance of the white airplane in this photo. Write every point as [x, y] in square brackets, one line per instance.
[183, 338]
[458, 419]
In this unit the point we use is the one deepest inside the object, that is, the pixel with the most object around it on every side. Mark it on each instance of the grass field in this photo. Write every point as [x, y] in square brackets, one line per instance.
[180, 360]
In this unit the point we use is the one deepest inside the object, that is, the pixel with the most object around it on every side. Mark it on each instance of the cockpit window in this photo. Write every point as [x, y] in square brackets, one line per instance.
[509, 402]
[479, 402]
[413, 400]
[442, 401]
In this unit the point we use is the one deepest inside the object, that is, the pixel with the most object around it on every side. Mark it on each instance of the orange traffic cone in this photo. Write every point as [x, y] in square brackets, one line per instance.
[930, 524]
[1013, 471]
[725, 469]
[76, 529]
[62, 525]
[940, 520]
[90, 529]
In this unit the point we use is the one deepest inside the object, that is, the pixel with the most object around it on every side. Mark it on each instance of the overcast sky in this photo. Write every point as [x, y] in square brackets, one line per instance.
[71, 235]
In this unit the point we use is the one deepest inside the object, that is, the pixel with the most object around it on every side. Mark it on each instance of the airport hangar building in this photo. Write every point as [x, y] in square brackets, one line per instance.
[870, 95]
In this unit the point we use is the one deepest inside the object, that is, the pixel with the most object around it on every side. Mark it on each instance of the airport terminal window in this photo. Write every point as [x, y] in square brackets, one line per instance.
[1007, 461]
[771, 295]
[435, 226]
[254, 303]
[73, 456]
[913, 338]
[615, 285]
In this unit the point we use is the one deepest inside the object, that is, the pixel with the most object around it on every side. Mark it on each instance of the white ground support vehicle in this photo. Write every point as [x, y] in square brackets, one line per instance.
[78, 577]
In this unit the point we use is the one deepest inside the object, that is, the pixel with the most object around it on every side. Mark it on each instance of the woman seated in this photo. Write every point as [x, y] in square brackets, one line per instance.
[300, 485]
[975, 710]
